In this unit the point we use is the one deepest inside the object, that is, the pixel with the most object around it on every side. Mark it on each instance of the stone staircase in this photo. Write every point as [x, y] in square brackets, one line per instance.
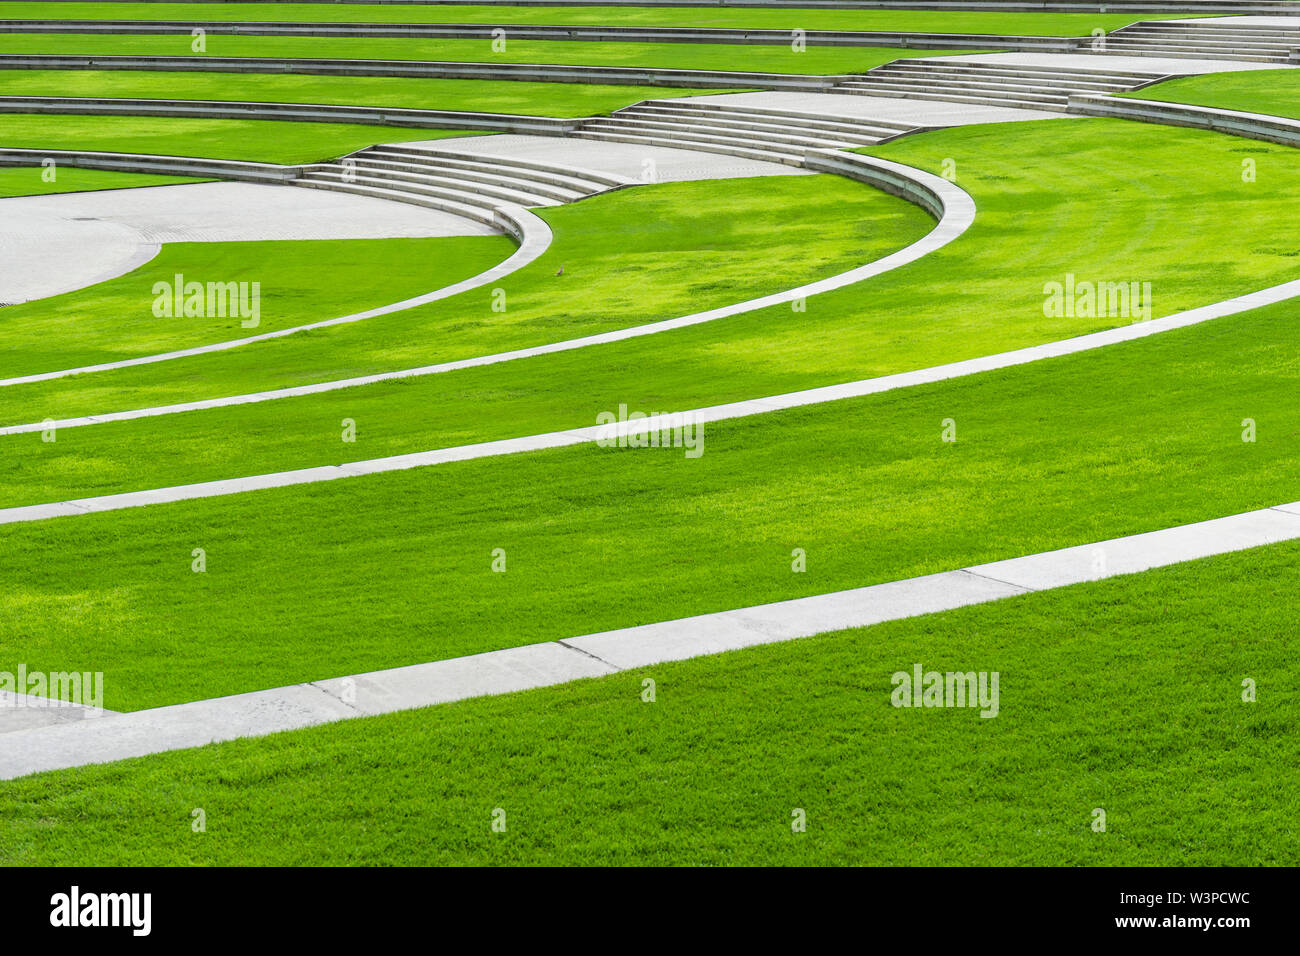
[472, 186]
[774, 135]
[1263, 43]
[989, 83]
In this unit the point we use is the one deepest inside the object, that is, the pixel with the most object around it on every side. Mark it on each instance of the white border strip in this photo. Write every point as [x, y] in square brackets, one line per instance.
[141, 733]
[578, 436]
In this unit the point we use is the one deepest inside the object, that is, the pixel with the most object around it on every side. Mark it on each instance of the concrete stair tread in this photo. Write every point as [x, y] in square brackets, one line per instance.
[702, 103]
[993, 83]
[519, 197]
[747, 152]
[576, 174]
[574, 183]
[478, 213]
[704, 129]
[944, 92]
[1058, 105]
[513, 182]
[413, 189]
[742, 119]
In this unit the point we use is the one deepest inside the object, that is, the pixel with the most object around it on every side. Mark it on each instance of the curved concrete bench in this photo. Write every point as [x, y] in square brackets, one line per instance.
[530, 72]
[289, 112]
[1275, 129]
[448, 31]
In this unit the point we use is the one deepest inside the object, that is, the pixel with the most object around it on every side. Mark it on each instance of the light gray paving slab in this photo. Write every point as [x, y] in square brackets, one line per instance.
[1246, 20]
[788, 620]
[620, 159]
[440, 682]
[1293, 508]
[1143, 552]
[45, 254]
[121, 736]
[933, 113]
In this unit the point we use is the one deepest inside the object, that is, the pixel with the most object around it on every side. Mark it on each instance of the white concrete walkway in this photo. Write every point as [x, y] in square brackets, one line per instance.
[121, 736]
[65, 241]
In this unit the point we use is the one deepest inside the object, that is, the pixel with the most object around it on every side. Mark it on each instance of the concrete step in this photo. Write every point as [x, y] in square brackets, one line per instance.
[711, 145]
[510, 182]
[743, 120]
[1057, 104]
[486, 164]
[701, 126]
[1229, 30]
[723, 137]
[477, 213]
[990, 68]
[596, 177]
[429, 177]
[957, 89]
[455, 196]
[1141, 49]
[1244, 42]
[706, 103]
[1009, 83]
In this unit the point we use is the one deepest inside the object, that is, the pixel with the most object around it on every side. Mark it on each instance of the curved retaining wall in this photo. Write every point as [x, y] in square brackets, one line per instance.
[292, 112]
[1275, 129]
[539, 73]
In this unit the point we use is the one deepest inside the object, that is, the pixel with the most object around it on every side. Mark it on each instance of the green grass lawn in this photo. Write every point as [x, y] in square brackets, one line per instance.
[677, 56]
[1275, 92]
[363, 274]
[31, 182]
[1124, 695]
[913, 21]
[341, 577]
[1181, 223]
[633, 254]
[477, 96]
[266, 141]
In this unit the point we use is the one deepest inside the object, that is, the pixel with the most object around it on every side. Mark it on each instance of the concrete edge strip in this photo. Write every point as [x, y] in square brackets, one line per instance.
[951, 204]
[652, 425]
[534, 237]
[141, 733]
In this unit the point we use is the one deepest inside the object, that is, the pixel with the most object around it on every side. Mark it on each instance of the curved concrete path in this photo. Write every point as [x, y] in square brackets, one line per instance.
[61, 242]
